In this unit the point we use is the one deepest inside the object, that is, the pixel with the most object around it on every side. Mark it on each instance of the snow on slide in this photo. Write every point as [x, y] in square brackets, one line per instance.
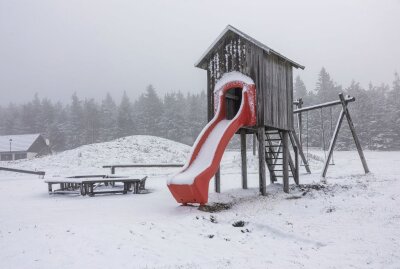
[190, 185]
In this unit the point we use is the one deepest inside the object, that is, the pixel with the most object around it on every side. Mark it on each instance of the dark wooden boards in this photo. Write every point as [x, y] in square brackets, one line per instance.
[272, 75]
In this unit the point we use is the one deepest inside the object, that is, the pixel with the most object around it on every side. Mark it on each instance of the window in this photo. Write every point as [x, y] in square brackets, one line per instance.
[6, 157]
[19, 156]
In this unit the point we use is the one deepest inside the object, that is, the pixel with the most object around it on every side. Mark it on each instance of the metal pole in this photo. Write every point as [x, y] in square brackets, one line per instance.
[12, 158]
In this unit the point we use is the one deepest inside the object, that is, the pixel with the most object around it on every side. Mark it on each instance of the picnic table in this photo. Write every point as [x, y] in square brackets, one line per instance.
[89, 184]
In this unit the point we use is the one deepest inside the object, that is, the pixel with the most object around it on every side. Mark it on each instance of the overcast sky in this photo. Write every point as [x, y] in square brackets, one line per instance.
[93, 47]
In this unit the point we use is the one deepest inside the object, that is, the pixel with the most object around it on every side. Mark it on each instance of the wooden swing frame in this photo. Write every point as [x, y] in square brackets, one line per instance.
[344, 112]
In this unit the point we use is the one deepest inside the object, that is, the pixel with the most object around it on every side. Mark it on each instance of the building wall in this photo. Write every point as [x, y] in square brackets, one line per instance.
[39, 147]
[11, 156]
[31, 155]
[272, 75]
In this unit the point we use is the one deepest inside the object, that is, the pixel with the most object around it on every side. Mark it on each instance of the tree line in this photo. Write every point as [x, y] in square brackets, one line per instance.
[175, 116]
[376, 115]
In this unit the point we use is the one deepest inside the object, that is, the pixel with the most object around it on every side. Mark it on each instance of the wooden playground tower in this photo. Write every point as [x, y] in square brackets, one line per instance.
[272, 73]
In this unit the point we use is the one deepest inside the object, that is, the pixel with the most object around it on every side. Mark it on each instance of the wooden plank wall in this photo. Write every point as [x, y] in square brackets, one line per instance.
[272, 75]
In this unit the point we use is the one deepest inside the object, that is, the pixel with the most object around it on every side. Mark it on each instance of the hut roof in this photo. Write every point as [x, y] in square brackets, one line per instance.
[230, 28]
[18, 142]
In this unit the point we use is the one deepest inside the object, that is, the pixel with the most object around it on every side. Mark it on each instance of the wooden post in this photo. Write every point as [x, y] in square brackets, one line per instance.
[112, 170]
[218, 181]
[285, 165]
[296, 163]
[295, 141]
[354, 133]
[244, 157]
[332, 143]
[254, 144]
[300, 121]
[261, 159]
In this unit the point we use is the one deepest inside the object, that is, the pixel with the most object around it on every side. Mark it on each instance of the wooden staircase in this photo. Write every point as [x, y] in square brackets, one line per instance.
[274, 157]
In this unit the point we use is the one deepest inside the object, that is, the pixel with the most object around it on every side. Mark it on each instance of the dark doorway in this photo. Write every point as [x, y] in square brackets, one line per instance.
[233, 100]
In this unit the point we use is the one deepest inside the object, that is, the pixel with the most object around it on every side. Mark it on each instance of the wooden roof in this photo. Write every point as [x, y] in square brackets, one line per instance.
[201, 62]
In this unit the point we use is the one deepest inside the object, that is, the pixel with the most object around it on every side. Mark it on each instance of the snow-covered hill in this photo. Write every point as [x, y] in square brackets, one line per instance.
[89, 158]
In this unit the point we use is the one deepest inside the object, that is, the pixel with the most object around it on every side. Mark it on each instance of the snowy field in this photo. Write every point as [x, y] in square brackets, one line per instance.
[351, 221]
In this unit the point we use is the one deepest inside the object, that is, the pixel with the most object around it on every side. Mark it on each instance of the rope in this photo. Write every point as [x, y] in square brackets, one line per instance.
[323, 133]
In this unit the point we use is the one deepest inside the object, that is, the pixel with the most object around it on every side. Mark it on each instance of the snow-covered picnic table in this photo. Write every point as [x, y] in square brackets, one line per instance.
[88, 184]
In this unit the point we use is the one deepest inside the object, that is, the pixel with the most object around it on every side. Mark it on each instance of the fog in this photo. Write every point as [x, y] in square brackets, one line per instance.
[93, 47]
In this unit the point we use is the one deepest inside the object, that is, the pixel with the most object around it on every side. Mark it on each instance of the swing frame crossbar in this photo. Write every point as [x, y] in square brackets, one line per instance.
[343, 101]
[347, 99]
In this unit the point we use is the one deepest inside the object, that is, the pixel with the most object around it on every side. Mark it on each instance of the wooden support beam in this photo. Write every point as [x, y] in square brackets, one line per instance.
[296, 162]
[285, 165]
[254, 144]
[300, 121]
[295, 141]
[261, 159]
[327, 104]
[333, 142]
[217, 182]
[291, 163]
[244, 157]
[354, 133]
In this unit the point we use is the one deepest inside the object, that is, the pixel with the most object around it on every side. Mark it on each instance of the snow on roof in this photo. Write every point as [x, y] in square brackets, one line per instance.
[248, 38]
[18, 143]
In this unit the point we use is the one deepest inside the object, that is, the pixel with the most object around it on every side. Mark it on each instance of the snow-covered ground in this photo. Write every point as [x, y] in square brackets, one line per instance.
[351, 221]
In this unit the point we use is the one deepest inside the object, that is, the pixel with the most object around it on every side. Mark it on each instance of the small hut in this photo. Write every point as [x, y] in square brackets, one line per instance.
[272, 73]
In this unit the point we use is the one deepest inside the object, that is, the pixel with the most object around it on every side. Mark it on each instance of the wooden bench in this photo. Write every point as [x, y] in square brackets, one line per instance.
[113, 166]
[86, 184]
[40, 173]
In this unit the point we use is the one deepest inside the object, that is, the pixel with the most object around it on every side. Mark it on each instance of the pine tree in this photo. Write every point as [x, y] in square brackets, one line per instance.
[75, 123]
[148, 111]
[108, 119]
[326, 89]
[124, 119]
[91, 120]
[393, 113]
[299, 88]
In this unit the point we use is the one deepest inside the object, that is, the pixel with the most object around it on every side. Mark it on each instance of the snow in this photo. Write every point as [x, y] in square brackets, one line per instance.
[18, 143]
[90, 158]
[351, 222]
[205, 156]
[232, 76]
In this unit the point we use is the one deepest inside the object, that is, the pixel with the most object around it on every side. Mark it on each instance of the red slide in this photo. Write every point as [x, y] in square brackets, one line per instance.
[190, 185]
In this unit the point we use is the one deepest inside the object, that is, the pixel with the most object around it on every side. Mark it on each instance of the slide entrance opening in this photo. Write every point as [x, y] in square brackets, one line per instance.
[233, 99]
